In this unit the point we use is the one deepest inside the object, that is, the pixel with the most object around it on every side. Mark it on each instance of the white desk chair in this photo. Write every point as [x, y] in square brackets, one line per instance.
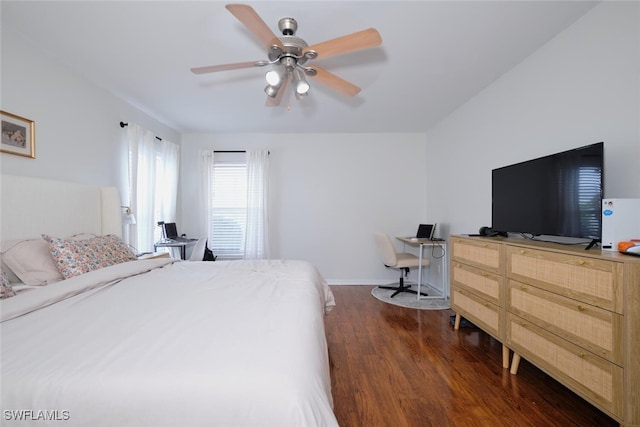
[402, 261]
[198, 250]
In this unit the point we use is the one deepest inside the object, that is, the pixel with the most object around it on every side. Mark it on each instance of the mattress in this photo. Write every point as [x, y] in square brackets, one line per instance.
[164, 343]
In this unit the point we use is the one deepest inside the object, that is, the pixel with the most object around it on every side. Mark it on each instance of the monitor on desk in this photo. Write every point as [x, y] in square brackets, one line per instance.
[170, 230]
[171, 233]
[426, 231]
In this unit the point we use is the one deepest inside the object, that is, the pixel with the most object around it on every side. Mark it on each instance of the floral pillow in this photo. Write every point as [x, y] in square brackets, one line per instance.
[6, 290]
[75, 257]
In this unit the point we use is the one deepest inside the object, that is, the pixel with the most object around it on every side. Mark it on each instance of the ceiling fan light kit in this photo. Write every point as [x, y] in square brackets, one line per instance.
[299, 82]
[273, 77]
[288, 54]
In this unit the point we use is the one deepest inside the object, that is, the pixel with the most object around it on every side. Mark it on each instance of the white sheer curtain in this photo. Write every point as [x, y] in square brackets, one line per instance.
[153, 183]
[141, 175]
[256, 245]
[256, 236]
[167, 169]
[205, 167]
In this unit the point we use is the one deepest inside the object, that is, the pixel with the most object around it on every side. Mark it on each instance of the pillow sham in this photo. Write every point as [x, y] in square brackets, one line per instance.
[75, 257]
[6, 291]
[31, 261]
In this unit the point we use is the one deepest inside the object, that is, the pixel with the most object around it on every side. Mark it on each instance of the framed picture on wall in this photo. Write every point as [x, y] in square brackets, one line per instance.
[18, 135]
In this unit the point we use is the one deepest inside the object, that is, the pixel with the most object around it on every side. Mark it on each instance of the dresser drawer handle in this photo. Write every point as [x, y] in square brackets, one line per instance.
[581, 262]
[582, 355]
[522, 252]
[523, 288]
[582, 308]
[523, 324]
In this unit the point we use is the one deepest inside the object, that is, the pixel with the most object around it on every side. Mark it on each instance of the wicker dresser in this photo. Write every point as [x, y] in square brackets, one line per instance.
[478, 286]
[573, 313]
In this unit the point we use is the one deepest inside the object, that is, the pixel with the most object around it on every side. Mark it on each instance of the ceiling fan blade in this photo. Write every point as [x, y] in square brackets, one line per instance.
[255, 24]
[334, 82]
[274, 102]
[226, 67]
[364, 39]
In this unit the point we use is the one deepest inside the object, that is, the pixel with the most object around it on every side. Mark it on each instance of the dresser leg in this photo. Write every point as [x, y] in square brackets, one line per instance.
[456, 324]
[515, 363]
[505, 356]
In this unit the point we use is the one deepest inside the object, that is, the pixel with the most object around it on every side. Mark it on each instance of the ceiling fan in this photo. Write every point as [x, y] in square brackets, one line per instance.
[290, 55]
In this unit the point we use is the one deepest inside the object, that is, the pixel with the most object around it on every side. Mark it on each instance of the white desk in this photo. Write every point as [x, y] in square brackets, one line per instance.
[182, 245]
[443, 290]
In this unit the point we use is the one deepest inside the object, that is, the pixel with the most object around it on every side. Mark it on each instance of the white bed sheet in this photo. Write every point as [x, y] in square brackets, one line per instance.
[236, 343]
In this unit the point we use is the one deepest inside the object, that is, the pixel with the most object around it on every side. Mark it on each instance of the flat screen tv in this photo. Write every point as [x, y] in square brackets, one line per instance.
[556, 195]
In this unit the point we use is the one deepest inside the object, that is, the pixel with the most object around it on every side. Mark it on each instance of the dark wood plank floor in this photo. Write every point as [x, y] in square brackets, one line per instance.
[394, 366]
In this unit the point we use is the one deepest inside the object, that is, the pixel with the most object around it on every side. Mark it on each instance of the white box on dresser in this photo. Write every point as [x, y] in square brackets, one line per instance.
[620, 222]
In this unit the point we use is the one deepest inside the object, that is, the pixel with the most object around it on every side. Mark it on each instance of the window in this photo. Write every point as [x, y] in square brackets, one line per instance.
[228, 210]
[235, 203]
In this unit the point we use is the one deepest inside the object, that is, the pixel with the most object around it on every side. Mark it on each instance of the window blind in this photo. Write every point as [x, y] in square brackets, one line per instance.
[228, 205]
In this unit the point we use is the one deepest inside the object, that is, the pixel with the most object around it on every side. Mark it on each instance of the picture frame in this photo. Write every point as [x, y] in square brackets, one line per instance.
[18, 135]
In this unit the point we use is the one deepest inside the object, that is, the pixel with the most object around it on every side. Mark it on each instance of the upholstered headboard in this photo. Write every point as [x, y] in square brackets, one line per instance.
[32, 206]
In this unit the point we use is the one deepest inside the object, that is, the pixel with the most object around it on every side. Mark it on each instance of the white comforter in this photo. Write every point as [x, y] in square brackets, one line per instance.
[174, 344]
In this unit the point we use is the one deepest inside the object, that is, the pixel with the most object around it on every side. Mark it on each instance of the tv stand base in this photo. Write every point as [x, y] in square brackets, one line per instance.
[593, 243]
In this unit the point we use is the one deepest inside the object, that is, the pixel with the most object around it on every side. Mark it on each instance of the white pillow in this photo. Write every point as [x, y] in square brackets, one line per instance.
[32, 262]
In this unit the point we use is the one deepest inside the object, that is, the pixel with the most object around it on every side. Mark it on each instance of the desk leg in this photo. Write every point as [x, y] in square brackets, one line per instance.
[420, 272]
[444, 265]
[183, 252]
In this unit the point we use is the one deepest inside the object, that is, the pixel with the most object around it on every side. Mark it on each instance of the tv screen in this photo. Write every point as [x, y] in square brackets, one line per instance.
[559, 195]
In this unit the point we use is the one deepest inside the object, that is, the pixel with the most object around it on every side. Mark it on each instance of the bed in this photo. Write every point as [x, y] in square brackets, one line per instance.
[159, 342]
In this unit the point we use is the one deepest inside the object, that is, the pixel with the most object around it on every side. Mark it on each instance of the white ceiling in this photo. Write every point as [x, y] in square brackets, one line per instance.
[435, 56]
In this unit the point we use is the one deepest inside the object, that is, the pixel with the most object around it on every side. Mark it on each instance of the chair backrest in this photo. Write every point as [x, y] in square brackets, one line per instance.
[386, 250]
[198, 250]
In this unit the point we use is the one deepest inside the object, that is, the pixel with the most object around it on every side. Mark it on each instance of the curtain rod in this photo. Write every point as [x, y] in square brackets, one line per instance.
[234, 151]
[123, 124]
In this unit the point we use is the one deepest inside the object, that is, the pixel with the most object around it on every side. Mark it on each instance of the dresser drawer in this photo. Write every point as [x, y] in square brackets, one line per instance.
[484, 255]
[487, 285]
[594, 378]
[590, 327]
[481, 312]
[594, 281]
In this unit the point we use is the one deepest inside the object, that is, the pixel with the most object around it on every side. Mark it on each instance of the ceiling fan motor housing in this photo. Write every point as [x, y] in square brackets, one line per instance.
[288, 26]
[293, 49]
[293, 46]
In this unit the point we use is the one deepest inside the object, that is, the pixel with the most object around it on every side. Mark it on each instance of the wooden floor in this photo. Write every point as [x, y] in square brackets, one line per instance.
[394, 366]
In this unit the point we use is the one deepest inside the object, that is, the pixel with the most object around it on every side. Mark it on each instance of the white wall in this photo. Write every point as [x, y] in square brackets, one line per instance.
[580, 88]
[329, 193]
[78, 137]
